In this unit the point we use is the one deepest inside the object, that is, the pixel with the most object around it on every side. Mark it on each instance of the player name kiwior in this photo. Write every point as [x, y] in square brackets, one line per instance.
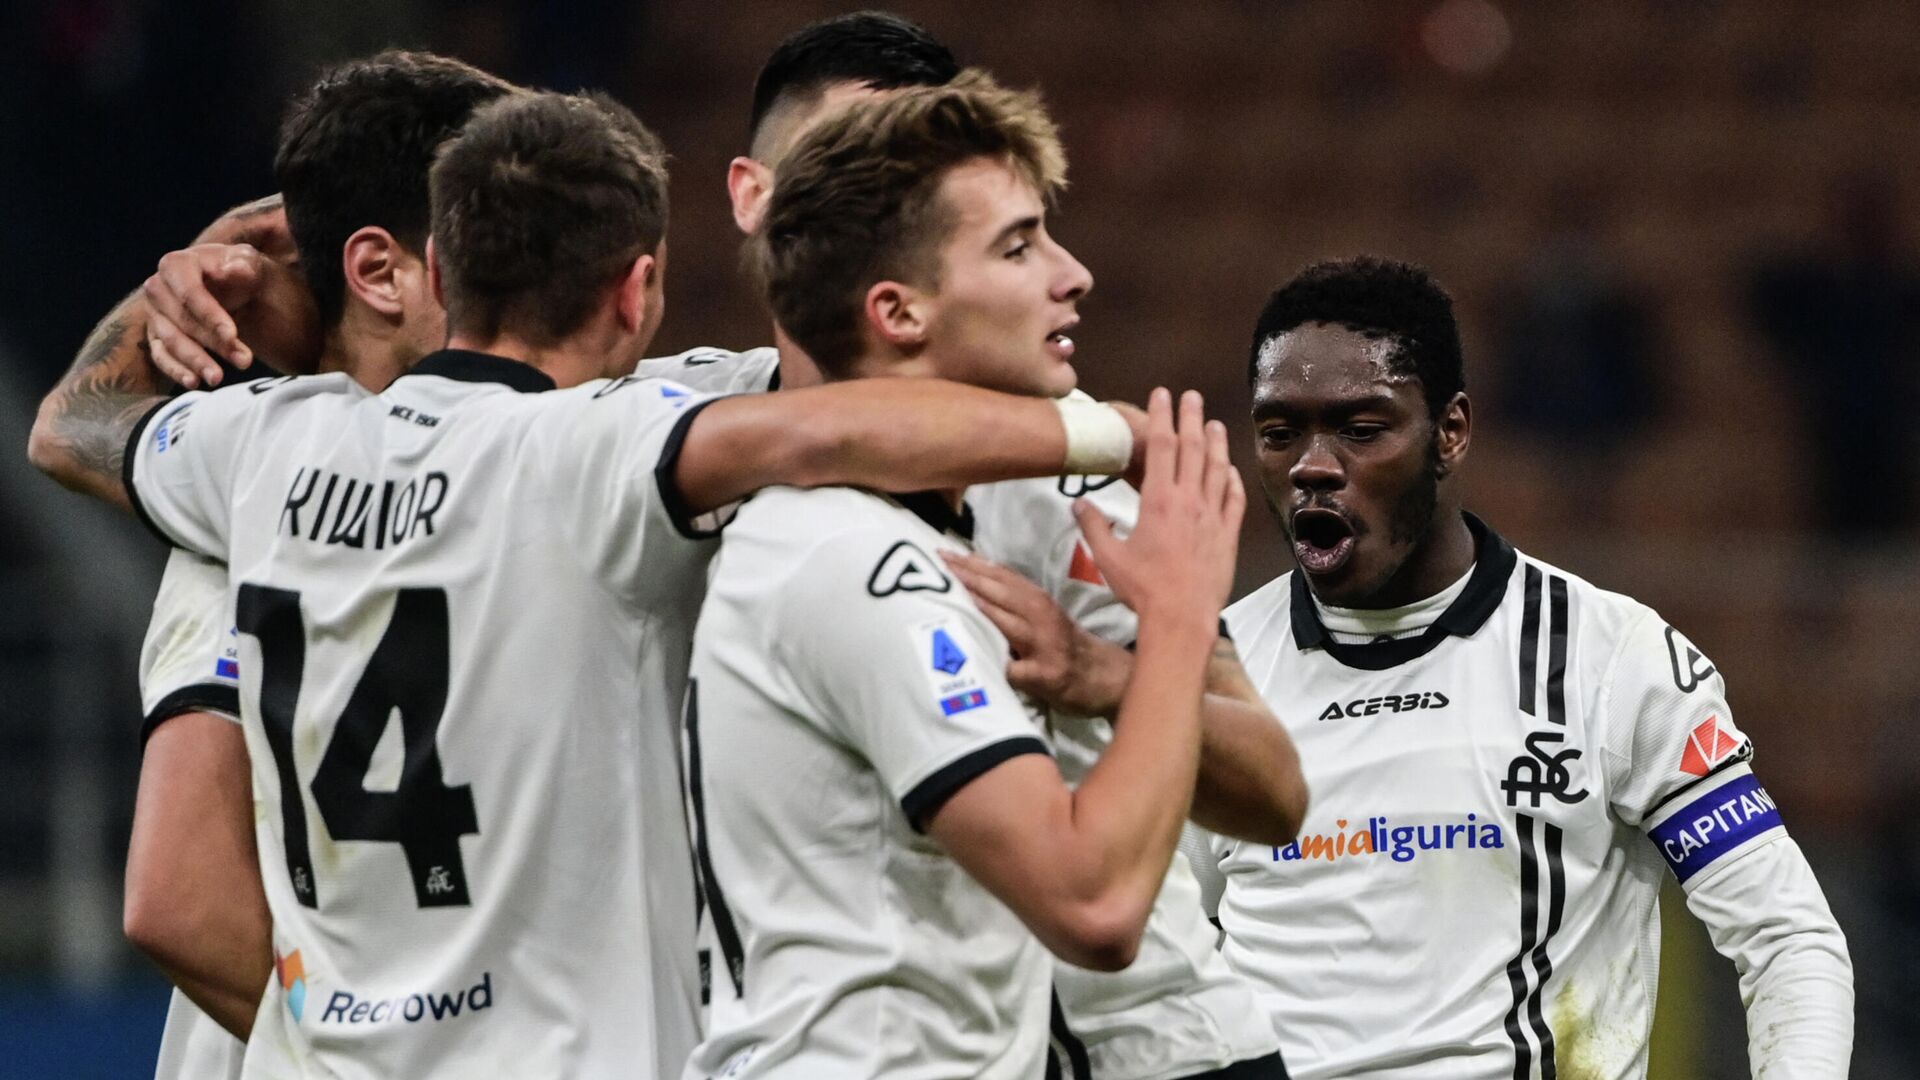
[331, 508]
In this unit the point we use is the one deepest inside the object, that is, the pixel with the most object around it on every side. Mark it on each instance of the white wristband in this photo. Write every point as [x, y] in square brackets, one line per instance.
[1099, 440]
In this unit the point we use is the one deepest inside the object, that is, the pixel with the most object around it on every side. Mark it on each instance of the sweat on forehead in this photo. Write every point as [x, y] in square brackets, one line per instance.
[1321, 351]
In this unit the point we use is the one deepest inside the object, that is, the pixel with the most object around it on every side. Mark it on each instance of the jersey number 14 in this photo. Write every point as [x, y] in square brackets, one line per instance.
[407, 674]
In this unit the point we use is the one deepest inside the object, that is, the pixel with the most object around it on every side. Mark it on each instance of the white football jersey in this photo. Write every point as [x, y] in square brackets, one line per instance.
[1474, 892]
[1178, 1009]
[465, 611]
[844, 687]
[190, 663]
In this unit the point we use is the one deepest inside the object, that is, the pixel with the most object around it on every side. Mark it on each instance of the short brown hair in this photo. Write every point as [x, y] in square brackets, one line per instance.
[856, 201]
[543, 201]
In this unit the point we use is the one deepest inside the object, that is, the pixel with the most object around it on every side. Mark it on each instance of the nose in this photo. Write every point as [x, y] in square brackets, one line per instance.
[1075, 280]
[1318, 468]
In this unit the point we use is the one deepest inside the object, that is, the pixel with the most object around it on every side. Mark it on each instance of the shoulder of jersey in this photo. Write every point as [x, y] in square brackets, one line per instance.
[807, 514]
[1258, 613]
[715, 370]
[1604, 609]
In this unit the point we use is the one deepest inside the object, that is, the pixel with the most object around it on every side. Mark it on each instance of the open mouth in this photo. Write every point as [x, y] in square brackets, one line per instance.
[1322, 540]
[1059, 343]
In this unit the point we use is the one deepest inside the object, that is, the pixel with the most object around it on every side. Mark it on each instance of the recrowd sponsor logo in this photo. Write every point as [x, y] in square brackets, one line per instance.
[345, 1008]
[1716, 824]
[1401, 843]
[1431, 699]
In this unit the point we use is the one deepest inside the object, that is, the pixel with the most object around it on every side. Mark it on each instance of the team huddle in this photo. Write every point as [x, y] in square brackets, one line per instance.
[868, 704]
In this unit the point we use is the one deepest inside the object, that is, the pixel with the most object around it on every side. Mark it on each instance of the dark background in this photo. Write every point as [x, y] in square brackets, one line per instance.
[1680, 233]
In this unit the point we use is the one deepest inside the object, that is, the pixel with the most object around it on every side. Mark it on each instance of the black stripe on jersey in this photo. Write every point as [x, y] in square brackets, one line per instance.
[1738, 757]
[666, 477]
[1557, 653]
[1516, 968]
[1542, 963]
[1533, 947]
[929, 795]
[126, 473]
[200, 697]
[1530, 639]
[1066, 1045]
[723, 927]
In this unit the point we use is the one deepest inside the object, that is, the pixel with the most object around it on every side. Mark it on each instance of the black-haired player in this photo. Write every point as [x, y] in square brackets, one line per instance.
[1503, 756]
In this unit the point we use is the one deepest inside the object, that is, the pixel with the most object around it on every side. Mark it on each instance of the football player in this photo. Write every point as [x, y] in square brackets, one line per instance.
[1504, 756]
[876, 812]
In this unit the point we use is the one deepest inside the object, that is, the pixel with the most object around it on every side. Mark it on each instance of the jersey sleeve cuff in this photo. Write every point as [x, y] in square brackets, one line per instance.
[666, 475]
[200, 697]
[929, 795]
[127, 460]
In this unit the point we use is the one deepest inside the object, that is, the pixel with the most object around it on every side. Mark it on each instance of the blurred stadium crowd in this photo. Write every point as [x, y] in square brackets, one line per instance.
[1681, 233]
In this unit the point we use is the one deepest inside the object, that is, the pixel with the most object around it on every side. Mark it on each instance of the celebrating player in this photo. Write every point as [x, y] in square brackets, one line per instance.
[1488, 738]
[868, 899]
[352, 168]
[1178, 1010]
[511, 575]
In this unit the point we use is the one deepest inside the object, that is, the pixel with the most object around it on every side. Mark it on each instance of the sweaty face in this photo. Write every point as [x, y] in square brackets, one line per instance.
[1005, 302]
[1347, 456]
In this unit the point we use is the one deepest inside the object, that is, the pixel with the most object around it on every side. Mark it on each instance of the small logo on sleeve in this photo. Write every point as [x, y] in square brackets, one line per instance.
[951, 673]
[1707, 747]
[959, 703]
[905, 568]
[172, 429]
[947, 656]
[1083, 568]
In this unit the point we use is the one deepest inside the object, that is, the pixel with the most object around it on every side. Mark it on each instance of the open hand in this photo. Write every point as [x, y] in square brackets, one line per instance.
[1179, 560]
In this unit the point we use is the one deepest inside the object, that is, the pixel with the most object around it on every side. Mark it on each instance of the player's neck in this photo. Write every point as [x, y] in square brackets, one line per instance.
[568, 362]
[797, 369]
[369, 357]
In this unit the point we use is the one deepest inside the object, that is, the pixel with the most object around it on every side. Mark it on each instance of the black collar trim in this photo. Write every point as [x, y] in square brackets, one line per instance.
[1494, 560]
[469, 366]
[933, 508]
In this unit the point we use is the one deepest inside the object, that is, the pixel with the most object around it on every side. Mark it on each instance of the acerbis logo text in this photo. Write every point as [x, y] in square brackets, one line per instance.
[1432, 699]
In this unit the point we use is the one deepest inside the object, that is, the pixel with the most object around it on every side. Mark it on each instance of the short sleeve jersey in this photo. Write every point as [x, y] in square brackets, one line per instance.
[1493, 801]
[464, 610]
[190, 663]
[1178, 1009]
[844, 687]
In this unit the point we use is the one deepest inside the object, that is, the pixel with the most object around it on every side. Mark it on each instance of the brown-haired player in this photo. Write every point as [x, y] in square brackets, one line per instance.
[887, 847]
[465, 606]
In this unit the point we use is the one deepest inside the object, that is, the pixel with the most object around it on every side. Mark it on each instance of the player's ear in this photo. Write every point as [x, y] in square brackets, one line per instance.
[634, 293]
[749, 185]
[1452, 431]
[433, 274]
[899, 313]
[372, 261]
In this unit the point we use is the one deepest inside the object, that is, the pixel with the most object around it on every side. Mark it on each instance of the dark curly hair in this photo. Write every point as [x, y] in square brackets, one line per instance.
[1379, 298]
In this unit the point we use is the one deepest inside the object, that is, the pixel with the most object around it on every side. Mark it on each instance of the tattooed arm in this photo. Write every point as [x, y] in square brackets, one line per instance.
[80, 436]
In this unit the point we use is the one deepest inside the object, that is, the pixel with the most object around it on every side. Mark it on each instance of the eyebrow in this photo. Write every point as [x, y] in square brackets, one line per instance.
[1025, 224]
[1274, 407]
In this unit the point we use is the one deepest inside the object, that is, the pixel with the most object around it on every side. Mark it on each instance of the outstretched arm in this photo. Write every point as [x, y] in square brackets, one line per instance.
[894, 435]
[1250, 784]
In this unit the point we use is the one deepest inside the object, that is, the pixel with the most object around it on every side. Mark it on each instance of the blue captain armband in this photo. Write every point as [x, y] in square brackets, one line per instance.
[1710, 822]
